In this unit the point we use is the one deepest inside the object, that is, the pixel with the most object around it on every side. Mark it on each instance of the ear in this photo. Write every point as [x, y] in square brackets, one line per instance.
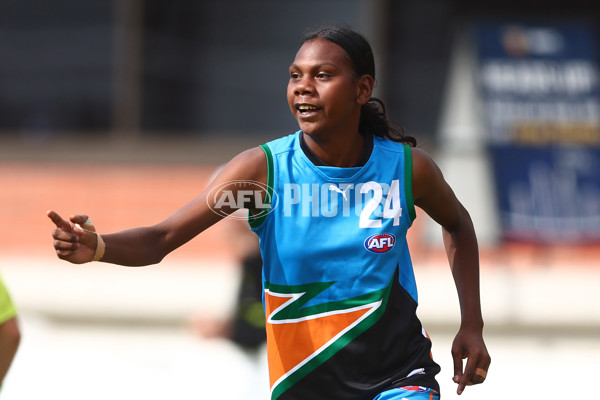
[364, 89]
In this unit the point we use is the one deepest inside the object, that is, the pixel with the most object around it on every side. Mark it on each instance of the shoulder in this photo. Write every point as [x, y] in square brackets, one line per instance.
[427, 176]
[250, 157]
[250, 165]
[422, 161]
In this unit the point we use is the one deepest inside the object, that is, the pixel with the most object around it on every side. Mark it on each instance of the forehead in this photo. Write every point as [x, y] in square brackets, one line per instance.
[320, 51]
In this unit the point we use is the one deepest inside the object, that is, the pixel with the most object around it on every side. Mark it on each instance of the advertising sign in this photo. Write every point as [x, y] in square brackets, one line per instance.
[539, 91]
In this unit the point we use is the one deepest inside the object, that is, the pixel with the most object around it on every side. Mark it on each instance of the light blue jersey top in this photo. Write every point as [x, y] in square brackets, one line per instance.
[338, 275]
[324, 220]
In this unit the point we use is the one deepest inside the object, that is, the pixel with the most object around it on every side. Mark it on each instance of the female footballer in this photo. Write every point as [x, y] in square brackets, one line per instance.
[331, 205]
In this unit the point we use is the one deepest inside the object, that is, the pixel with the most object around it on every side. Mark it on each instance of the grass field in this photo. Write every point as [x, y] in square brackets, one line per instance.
[72, 362]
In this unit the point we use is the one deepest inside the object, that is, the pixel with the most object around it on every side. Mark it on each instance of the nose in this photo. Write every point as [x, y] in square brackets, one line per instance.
[303, 87]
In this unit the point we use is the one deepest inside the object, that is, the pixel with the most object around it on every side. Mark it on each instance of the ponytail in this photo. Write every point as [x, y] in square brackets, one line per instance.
[374, 121]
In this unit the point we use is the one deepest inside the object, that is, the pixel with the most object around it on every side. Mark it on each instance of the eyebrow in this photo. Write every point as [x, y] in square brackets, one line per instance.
[294, 65]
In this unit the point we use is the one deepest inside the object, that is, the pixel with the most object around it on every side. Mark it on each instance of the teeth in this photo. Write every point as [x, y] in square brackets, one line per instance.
[306, 107]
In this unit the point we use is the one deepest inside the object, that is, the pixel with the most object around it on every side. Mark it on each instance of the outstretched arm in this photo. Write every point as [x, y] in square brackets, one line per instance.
[150, 244]
[432, 193]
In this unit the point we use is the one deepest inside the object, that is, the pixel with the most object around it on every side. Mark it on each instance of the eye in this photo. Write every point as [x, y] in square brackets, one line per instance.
[323, 75]
[294, 76]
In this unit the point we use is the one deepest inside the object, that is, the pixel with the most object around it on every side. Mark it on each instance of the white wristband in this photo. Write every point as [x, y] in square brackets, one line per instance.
[100, 247]
[88, 225]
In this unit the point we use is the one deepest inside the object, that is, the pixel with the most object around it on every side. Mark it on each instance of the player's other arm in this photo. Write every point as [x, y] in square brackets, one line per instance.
[433, 194]
[150, 244]
[10, 337]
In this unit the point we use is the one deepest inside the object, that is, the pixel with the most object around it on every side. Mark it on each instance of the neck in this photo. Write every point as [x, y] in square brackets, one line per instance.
[337, 153]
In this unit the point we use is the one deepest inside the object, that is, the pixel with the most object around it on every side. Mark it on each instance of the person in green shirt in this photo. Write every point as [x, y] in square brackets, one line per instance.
[10, 335]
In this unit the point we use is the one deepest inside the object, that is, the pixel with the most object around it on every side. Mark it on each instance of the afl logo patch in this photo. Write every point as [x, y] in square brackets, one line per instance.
[380, 242]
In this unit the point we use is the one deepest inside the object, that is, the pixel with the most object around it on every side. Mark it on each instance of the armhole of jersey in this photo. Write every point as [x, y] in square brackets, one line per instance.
[408, 174]
[256, 220]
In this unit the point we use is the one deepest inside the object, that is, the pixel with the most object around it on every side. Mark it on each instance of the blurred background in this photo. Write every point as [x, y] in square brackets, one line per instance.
[123, 110]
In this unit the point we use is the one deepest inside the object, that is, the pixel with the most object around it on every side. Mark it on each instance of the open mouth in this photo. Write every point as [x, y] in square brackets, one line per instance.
[306, 109]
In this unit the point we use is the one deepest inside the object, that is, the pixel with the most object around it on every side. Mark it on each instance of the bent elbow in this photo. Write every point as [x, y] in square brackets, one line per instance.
[159, 250]
[158, 257]
[460, 221]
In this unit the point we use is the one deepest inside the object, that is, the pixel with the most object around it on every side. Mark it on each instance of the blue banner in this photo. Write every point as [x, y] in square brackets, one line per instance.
[539, 90]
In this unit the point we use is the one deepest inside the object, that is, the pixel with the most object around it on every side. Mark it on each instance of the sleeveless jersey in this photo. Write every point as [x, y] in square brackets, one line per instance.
[7, 308]
[339, 290]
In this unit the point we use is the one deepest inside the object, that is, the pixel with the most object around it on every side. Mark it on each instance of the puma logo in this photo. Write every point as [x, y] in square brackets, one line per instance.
[334, 188]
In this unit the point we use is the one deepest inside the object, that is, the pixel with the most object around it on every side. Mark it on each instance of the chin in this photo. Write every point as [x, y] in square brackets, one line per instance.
[309, 130]
[311, 133]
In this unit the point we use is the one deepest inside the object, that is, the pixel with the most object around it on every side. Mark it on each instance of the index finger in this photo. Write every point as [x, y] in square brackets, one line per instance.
[58, 221]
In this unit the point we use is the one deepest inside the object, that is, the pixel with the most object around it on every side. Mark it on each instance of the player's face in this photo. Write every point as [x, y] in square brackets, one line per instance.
[323, 90]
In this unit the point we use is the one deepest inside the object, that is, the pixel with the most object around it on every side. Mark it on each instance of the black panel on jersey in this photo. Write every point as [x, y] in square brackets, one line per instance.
[377, 360]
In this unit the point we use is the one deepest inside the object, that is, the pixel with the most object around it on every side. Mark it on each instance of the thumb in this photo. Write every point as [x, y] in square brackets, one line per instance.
[83, 222]
[85, 230]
